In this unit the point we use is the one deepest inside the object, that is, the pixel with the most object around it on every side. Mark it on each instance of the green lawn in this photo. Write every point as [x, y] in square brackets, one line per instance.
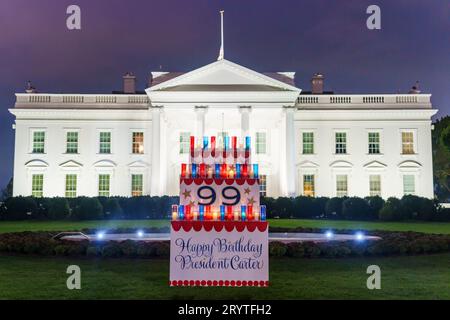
[429, 227]
[414, 277]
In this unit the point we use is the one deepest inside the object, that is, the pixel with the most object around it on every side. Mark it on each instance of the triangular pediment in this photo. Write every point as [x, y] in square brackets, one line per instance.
[223, 75]
[70, 164]
[375, 165]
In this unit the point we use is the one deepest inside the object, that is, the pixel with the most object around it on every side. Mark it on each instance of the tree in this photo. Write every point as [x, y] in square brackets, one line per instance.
[441, 157]
[7, 192]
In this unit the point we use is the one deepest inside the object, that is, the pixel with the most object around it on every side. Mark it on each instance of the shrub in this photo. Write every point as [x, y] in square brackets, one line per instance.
[58, 209]
[355, 208]
[277, 249]
[284, 207]
[270, 206]
[112, 208]
[295, 249]
[375, 204]
[20, 208]
[333, 208]
[87, 209]
[391, 211]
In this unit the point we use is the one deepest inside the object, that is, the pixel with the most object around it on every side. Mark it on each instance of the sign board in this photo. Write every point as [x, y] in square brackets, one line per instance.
[219, 253]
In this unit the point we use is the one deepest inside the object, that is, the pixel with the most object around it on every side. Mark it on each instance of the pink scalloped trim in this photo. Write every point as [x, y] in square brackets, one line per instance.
[218, 283]
[219, 225]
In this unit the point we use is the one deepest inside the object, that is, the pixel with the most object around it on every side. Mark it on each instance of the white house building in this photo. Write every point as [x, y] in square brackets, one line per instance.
[307, 143]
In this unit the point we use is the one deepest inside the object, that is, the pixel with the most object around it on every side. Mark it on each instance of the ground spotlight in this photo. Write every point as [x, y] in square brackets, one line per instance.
[359, 236]
[140, 233]
[100, 235]
[329, 234]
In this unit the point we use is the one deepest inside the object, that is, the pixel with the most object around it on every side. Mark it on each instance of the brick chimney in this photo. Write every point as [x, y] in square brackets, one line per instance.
[317, 83]
[129, 83]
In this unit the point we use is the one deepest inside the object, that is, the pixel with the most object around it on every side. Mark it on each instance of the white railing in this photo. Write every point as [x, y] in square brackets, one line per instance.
[357, 99]
[40, 98]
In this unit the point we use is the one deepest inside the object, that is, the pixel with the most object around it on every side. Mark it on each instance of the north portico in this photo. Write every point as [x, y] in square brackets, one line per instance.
[223, 98]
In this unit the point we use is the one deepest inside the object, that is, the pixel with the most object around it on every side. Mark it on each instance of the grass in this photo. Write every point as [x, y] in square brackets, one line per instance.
[408, 277]
[428, 227]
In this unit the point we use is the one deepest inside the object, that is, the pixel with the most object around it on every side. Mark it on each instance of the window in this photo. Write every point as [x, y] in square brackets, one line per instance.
[341, 142]
[185, 142]
[374, 142]
[103, 185]
[71, 186]
[37, 185]
[409, 185]
[375, 185]
[136, 185]
[308, 185]
[138, 142]
[38, 141]
[105, 142]
[262, 185]
[261, 143]
[308, 142]
[72, 142]
[407, 142]
[341, 185]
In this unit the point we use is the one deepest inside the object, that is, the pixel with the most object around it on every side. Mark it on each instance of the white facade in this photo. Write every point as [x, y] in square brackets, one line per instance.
[299, 154]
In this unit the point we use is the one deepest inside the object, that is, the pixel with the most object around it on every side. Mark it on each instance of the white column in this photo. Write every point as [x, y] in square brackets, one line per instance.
[245, 121]
[291, 175]
[200, 123]
[155, 189]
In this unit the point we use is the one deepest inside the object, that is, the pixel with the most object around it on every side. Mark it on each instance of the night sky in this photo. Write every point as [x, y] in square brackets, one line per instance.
[305, 36]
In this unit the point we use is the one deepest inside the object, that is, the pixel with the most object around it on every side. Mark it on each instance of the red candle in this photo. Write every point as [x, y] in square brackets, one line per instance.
[234, 142]
[208, 215]
[229, 213]
[192, 143]
[250, 212]
[183, 170]
[202, 170]
[223, 172]
[213, 143]
[245, 171]
[187, 212]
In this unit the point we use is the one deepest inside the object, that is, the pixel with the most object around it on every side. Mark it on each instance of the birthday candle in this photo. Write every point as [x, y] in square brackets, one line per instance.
[205, 142]
[229, 213]
[223, 173]
[174, 212]
[256, 215]
[181, 212]
[208, 212]
[243, 212]
[226, 144]
[245, 171]
[217, 170]
[250, 212]
[255, 171]
[263, 213]
[183, 170]
[234, 142]
[213, 143]
[192, 144]
[202, 170]
[236, 215]
[215, 215]
[238, 170]
[187, 210]
[222, 212]
[194, 170]
[247, 143]
[201, 211]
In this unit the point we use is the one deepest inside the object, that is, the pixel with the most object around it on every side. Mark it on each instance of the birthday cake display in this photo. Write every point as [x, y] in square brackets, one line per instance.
[219, 232]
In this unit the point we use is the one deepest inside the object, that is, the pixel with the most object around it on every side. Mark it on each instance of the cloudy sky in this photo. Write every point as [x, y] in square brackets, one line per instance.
[305, 36]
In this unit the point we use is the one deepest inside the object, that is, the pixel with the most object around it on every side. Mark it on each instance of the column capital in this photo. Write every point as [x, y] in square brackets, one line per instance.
[245, 109]
[289, 108]
[201, 108]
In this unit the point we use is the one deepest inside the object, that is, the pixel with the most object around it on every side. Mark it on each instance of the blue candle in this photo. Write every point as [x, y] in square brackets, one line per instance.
[226, 142]
[181, 212]
[255, 171]
[263, 213]
[217, 170]
[243, 212]
[205, 142]
[194, 170]
[201, 211]
[222, 213]
[247, 143]
[238, 170]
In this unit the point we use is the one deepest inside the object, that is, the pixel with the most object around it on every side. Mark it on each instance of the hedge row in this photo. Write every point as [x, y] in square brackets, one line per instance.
[146, 207]
[392, 243]
[84, 208]
[353, 208]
